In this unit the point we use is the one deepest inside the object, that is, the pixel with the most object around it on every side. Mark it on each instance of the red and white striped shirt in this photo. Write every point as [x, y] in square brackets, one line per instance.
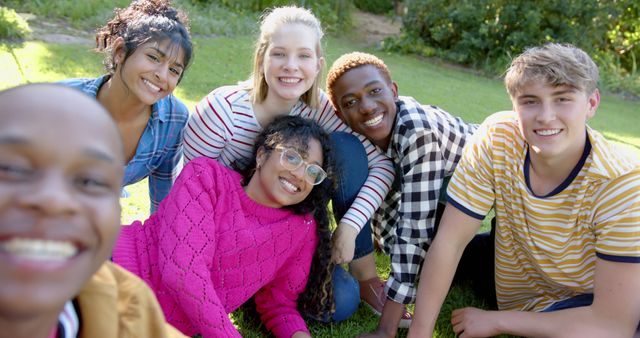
[223, 127]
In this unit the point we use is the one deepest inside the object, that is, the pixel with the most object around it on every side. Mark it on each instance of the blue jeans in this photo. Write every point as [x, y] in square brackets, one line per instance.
[352, 171]
[580, 300]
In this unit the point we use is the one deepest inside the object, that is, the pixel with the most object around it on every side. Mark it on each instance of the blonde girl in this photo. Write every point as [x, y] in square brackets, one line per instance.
[288, 61]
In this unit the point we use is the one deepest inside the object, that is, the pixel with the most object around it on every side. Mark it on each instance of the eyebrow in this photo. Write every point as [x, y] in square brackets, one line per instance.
[99, 155]
[297, 49]
[13, 140]
[370, 83]
[163, 54]
[555, 93]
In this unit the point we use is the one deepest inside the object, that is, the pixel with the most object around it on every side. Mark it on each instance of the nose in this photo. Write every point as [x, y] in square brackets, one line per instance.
[546, 113]
[161, 72]
[367, 106]
[299, 172]
[291, 63]
[51, 194]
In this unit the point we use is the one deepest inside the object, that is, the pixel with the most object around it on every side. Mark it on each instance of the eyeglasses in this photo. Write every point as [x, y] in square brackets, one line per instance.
[292, 160]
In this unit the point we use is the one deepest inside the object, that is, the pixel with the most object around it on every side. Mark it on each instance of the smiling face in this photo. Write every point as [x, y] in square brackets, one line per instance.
[275, 186]
[553, 119]
[366, 102]
[61, 167]
[152, 72]
[291, 62]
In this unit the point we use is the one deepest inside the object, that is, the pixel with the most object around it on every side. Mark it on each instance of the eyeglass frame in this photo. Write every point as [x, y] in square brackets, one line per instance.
[286, 164]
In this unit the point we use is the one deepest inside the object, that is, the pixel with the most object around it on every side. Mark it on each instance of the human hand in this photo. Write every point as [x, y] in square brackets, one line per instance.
[375, 334]
[344, 243]
[300, 334]
[473, 322]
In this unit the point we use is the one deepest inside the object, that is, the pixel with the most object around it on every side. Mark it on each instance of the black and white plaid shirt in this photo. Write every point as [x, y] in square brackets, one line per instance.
[425, 147]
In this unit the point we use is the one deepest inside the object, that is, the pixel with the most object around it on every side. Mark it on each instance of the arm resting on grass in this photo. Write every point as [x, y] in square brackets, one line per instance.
[455, 232]
[614, 313]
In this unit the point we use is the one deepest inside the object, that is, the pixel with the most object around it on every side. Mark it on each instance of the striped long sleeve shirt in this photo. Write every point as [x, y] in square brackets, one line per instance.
[224, 127]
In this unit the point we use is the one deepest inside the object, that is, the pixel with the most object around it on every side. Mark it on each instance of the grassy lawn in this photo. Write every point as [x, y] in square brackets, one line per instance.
[219, 61]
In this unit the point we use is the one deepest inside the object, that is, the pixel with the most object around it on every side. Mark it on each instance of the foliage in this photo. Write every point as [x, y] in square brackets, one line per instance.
[335, 15]
[210, 19]
[223, 60]
[374, 6]
[12, 26]
[80, 14]
[486, 33]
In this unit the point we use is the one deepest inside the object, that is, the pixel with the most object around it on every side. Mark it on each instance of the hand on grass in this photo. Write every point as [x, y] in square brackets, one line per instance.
[344, 243]
[472, 322]
[375, 334]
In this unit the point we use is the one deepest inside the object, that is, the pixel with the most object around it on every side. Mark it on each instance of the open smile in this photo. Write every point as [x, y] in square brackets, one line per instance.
[289, 186]
[152, 86]
[374, 121]
[39, 250]
[547, 132]
[290, 80]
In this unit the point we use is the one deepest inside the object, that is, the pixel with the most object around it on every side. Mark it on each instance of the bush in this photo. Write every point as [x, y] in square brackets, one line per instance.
[374, 6]
[486, 33]
[12, 26]
[335, 15]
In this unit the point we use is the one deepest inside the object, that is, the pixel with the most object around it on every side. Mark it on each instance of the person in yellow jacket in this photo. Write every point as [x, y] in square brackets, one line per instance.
[61, 167]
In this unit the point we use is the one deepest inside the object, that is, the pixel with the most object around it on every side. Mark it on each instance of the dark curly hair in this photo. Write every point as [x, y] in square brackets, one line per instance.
[144, 21]
[317, 299]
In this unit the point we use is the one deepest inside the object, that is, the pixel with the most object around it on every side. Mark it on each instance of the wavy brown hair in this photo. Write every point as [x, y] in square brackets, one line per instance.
[145, 21]
[317, 299]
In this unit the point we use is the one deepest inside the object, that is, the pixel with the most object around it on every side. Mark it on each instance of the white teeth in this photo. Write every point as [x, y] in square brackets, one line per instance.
[289, 80]
[289, 186]
[547, 132]
[151, 85]
[373, 121]
[39, 250]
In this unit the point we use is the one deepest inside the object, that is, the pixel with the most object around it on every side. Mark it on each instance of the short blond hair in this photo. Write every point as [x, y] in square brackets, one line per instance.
[555, 64]
[349, 61]
[271, 21]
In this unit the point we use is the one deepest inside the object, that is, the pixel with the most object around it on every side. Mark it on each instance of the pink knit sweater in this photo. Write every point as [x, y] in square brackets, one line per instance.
[209, 248]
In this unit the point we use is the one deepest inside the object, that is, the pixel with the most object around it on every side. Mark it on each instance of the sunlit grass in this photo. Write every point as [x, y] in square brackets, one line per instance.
[223, 61]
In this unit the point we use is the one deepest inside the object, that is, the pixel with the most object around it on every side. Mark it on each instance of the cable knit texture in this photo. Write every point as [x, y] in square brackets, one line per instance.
[209, 248]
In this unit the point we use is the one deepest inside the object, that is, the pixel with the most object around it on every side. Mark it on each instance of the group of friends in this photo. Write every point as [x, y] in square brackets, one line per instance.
[247, 217]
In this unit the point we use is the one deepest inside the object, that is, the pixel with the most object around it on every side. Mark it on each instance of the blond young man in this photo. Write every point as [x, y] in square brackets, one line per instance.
[567, 205]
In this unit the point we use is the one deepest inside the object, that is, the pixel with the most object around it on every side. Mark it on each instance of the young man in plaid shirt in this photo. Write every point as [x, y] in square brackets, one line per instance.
[425, 144]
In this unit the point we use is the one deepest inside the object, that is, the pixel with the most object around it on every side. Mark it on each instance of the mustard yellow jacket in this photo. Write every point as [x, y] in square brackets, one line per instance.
[116, 304]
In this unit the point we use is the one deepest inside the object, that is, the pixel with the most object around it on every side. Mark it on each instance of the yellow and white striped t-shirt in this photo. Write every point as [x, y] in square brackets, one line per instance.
[546, 247]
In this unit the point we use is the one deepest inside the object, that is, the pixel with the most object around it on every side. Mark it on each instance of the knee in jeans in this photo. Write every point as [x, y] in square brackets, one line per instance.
[346, 294]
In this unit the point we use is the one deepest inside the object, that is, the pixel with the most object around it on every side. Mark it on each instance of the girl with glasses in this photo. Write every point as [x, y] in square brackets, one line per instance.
[285, 80]
[221, 237]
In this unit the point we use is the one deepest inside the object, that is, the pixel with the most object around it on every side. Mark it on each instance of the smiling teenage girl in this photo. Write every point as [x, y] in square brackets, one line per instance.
[148, 48]
[285, 81]
[219, 237]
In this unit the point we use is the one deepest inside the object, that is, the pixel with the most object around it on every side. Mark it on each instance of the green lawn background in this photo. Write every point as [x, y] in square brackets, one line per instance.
[222, 61]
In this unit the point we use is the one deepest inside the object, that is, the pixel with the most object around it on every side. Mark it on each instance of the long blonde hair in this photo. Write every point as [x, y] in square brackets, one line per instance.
[270, 23]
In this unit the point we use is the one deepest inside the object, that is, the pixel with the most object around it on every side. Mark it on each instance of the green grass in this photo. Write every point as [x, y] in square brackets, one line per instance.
[212, 19]
[220, 61]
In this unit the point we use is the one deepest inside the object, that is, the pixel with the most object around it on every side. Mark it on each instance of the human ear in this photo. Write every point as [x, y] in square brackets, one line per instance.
[593, 101]
[394, 89]
[261, 157]
[119, 50]
[319, 65]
